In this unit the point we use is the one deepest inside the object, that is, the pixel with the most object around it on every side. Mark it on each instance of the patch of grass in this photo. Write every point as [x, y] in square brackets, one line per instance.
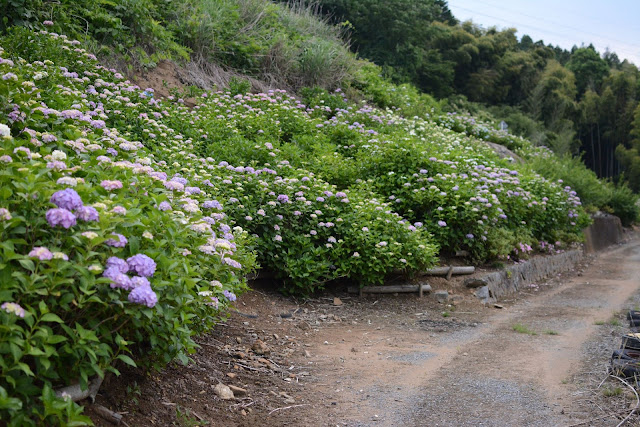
[615, 322]
[611, 391]
[446, 314]
[186, 419]
[551, 332]
[522, 329]
[599, 322]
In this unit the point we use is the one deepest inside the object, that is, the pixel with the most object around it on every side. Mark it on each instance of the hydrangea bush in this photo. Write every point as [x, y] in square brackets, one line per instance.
[128, 223]
[95, 271]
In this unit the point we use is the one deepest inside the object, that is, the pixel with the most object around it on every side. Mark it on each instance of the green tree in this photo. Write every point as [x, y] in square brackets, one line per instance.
[589, 69]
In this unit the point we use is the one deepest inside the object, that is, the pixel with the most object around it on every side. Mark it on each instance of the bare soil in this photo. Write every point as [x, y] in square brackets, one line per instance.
[400, 360]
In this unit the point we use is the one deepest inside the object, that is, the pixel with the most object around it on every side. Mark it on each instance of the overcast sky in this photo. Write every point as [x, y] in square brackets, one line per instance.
[614, 23]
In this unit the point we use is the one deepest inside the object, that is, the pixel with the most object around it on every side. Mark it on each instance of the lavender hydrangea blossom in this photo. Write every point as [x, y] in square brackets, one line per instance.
[117, 263]
[60, 216]
[143, 295]
[120, 243]
[142, 265]
[137, 281]
[164, 206]
[13, 308]
[87, 213]
[66, 199]
[230, 295]
[42, 253]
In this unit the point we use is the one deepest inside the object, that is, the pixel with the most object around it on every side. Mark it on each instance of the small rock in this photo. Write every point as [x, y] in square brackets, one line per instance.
[337, 301]
[354, 350]
[259, 347]
[326, 343]
[474, 282]
[243, 412]
[276, 336]
[456, 299]
[239, 340]
[223, 392]
[307, 353]
[441, 296]
[237, 391]
[304, 326]
[290, 401]
[240, 355]
[231, 375]
[498, 306]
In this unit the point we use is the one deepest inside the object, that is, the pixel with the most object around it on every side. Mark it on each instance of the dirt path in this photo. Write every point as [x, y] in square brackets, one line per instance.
[404, 361]
[488, 375]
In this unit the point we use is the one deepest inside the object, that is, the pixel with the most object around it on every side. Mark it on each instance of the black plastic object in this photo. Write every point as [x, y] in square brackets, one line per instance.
[625, 367]
[631, 341]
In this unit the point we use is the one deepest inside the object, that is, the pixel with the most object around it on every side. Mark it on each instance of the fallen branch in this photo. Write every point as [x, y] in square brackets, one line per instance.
[76, 393]
[288, 407]
[637, 400]
[107, 414]
[581, 423]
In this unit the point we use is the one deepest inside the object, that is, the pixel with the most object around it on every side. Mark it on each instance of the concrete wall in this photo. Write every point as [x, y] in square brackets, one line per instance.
[605, 231]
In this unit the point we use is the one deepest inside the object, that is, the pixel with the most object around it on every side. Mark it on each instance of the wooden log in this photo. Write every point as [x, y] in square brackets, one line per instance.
[443, 271]
[391, 289]
[76, 393]
[107, 414]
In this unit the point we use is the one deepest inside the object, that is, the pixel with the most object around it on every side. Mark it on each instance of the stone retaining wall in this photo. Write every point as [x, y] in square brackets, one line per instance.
[516, 277]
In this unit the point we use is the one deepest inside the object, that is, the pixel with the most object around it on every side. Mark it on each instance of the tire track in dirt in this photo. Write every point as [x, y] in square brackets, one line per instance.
[488, 375]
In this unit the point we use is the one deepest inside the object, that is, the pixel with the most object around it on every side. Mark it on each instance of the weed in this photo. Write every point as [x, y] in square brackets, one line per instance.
[185, 419]
[550, 332]
[612, 391]
[446, 314]
[599, 322]
[522, 329]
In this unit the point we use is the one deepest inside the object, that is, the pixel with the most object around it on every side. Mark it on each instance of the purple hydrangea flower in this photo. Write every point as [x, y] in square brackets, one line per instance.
[212, 204]
[174, 186]
[42, 253]
[13, 308]
[87, 213]
[283, 198]
[111, 185]
[232, 263]
[340, 195]
[59, 216]
[142, 265]
[230, 295]
[117, 263]
[143, 295]
[66, 199]
[137, 281]
[180, 179]
[120, 243]
[164, 206]
[56, 165]
[119, 280]
[442, 223]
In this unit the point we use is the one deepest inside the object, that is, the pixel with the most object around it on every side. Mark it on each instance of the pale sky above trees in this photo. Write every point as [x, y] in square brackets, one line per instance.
[605, 23]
